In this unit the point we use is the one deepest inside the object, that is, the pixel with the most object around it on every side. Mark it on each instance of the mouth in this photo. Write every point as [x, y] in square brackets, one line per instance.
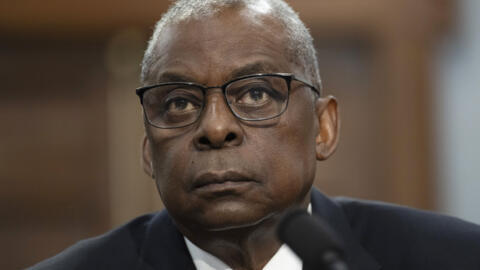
[228, 182]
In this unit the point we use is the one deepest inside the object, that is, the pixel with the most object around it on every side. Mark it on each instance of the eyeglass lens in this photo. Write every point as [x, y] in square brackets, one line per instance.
[255, 98]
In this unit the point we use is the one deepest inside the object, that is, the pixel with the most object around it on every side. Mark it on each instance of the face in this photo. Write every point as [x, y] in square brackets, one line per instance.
[222, 172]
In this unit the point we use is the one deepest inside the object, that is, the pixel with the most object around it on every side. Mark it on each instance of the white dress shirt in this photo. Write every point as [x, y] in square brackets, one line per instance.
[284, 258]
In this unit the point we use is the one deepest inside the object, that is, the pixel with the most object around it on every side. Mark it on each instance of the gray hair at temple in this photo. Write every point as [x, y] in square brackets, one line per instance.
[300, 42]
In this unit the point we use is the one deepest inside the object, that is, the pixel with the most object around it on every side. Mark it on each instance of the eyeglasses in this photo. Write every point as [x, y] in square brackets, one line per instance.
[251, 98]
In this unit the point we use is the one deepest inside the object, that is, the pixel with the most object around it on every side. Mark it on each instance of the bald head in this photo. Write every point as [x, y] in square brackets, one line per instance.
[299, 43]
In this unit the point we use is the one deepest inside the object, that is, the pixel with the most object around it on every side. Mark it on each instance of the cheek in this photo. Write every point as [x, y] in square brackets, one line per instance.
[171, 158]
[297, 148]
[287, 154]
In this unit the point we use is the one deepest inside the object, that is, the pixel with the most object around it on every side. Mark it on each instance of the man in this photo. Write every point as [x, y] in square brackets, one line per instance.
[234, 127]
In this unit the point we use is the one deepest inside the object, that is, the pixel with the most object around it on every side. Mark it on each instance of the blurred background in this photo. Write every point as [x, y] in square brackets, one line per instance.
[406, 74]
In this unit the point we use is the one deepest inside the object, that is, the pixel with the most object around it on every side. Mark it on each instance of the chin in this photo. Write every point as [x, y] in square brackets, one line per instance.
[238, 224]
[228, 217]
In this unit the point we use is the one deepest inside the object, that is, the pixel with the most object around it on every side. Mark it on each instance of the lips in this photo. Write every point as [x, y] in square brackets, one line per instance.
[218, 181]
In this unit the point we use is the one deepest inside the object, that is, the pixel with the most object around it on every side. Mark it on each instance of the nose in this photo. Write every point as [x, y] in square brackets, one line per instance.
[218, 127]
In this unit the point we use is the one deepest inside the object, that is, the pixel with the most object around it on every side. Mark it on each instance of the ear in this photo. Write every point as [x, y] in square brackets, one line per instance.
[328, 127]
[147, 157]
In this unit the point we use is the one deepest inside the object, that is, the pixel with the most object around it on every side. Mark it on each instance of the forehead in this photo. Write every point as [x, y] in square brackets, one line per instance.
[229, 44]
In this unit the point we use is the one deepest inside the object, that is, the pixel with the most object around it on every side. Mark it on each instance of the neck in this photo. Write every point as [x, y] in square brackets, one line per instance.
[243, 248]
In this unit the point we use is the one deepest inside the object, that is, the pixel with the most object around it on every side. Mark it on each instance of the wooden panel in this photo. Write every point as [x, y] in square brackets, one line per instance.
[358, 168]
[132, 192]
[406, 74]
[80, 19]
[76, 19]
[52, 153]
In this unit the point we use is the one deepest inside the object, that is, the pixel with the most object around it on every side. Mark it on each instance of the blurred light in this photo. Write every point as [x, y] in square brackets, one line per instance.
[261, 6]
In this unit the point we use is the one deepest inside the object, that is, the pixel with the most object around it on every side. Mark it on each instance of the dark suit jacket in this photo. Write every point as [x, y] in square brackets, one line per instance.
[376, 236]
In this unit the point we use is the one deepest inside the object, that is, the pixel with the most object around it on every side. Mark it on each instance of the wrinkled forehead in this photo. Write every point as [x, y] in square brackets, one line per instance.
[221, 44]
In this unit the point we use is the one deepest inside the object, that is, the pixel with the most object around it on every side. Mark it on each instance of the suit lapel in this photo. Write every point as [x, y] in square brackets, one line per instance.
[357, 257]
[164, 247]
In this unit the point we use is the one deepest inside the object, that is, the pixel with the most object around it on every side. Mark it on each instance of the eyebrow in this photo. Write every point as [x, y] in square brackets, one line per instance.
[249, 69]
[253, 68]
[174, 77]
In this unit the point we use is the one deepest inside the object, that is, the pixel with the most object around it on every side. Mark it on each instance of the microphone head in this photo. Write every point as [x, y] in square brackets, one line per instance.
[309, 237]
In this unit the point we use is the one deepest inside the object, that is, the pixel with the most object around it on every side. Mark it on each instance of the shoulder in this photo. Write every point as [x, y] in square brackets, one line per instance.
[412, 238]
[117, 249]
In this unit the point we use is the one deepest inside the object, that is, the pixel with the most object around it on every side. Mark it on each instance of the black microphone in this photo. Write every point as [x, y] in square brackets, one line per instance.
[312, 240]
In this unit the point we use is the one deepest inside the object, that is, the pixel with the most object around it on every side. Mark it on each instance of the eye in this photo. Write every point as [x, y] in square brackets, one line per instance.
[181, 105]
[255, 96]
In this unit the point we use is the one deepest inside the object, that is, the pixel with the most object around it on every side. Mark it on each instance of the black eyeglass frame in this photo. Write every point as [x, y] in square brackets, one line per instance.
[288, 77]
